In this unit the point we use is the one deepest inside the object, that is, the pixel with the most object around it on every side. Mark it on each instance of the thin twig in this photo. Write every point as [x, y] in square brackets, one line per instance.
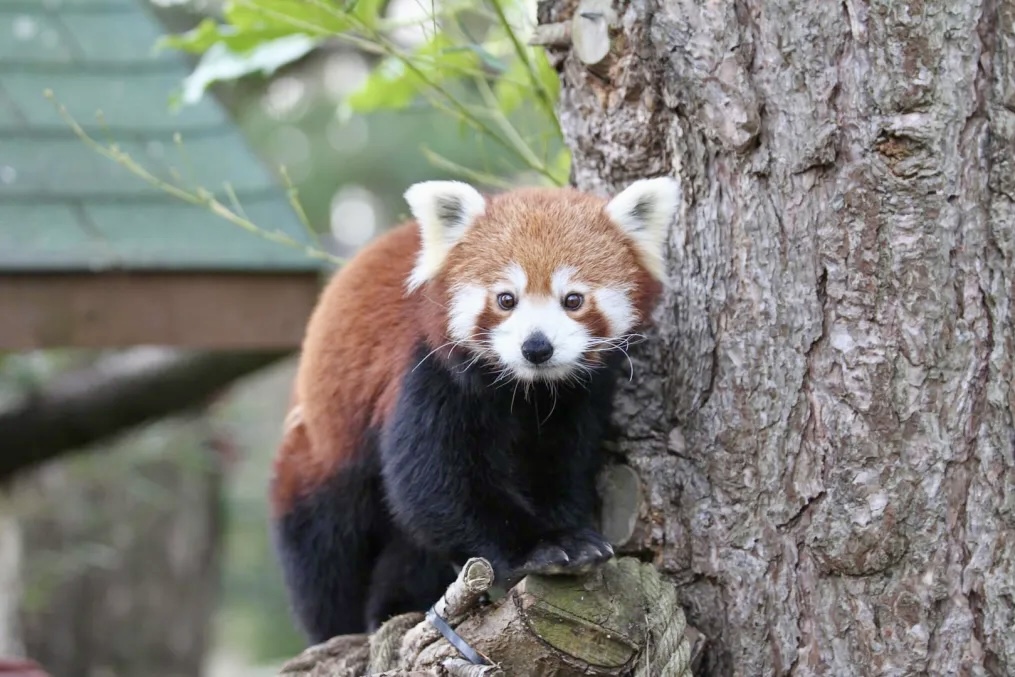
[444, 163]
[541, 92]
[201, 197]
[293, 193]
[234, 199]
[509, 129]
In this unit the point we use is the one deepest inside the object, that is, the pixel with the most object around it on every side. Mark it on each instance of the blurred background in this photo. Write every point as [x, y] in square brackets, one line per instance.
[176, 180]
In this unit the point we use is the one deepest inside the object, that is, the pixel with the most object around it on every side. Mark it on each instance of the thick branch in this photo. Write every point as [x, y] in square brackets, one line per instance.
[622, 619]
[118, 393]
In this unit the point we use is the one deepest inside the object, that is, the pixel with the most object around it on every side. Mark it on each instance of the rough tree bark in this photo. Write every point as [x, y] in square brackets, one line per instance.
[823, 421]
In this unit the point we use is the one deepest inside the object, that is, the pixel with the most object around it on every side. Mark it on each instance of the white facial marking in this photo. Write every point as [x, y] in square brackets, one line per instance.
[516, 279]
[569, 339]
[560, 279]
[467, 303]
[562, 282]
[615, 305]
[539, 314]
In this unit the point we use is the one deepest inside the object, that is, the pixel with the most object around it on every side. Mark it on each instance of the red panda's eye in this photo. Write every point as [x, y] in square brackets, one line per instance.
[506, 301]
[573, 301]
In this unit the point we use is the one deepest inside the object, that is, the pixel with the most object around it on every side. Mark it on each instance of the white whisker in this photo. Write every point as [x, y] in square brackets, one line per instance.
[553, 392]
[425, 357]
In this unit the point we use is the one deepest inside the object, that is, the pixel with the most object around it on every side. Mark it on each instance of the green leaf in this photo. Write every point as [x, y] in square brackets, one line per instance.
[561, 167]
[389, 86]
[394, 85]
[546, 74]
[250, 24]
[513, 87]
[315, 17]
[517, 85]
[196, 40]
[490, 61]
[218, 63]
[208, 33]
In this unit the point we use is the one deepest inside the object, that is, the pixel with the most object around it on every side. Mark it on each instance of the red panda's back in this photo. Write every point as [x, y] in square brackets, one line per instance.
[356, 348]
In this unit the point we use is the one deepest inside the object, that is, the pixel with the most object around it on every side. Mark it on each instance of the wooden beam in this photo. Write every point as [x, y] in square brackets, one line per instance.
[214, 311]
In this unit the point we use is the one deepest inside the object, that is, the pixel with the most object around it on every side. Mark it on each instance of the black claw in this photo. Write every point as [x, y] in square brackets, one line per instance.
[569, 553]
[545, 558]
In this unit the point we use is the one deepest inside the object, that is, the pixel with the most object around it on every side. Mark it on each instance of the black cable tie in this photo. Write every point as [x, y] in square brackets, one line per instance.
[456, 640]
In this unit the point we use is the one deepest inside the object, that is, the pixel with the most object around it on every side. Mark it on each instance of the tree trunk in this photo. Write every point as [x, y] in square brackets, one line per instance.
[10, 582]
[823, 419]
[122, 553]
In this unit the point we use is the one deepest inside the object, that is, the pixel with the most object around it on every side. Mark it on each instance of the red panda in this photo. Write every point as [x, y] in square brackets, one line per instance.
[455, 384]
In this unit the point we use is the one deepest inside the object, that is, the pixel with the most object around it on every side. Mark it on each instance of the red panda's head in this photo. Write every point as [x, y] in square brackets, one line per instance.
[541, 282]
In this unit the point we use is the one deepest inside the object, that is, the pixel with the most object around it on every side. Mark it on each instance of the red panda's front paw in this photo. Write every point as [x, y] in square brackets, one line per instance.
[569, 553]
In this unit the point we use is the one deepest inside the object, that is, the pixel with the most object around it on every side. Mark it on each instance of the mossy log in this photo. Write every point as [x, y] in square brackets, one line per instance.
[622, 619]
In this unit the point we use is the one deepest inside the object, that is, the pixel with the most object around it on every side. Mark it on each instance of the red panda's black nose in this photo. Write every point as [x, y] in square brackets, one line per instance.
[537, 348]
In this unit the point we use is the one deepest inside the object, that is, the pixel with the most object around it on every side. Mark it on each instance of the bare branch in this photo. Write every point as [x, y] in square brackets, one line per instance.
[112, 396]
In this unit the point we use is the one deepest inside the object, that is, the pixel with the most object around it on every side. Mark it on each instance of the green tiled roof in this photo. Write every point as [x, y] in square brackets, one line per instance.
[63, 207]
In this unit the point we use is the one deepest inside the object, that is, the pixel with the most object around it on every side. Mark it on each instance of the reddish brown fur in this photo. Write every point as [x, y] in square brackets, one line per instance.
[293, 463]
[348, 380]
[542, 230]
[362, 334]
[593, 319]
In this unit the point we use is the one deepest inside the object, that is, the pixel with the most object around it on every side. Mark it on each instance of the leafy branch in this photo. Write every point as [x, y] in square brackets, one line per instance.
[489, 61]
[473, 66]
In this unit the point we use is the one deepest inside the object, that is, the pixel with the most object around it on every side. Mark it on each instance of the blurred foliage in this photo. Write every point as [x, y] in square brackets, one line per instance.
[472, 64]
[253, 23]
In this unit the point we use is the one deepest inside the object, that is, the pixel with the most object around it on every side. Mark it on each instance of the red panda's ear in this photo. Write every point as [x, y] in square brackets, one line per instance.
[644, 210]
[444, 210]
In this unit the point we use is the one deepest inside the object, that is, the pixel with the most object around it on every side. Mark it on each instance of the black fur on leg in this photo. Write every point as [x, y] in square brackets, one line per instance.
[405, 578]
[327, 543]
